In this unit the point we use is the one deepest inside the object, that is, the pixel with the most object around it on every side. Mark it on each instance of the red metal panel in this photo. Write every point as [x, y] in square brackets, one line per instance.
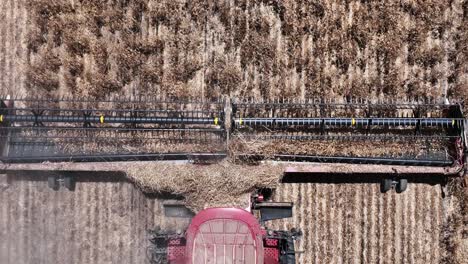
[175, 251]
[271, 251]
[224, 235]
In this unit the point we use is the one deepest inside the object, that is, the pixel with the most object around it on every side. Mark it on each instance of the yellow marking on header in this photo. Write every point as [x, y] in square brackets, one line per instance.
[240, 121]
[353, 122]
[216, 121]
[453, 122]
[1, 118]
[101, 119]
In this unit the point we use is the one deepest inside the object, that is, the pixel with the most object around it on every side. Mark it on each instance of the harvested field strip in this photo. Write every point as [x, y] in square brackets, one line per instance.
[101, 222]
[356, 223]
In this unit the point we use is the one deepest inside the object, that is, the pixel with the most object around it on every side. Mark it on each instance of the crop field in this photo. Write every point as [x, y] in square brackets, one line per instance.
[239, 48]
[106, 218]
[103, 221]
[355, 223]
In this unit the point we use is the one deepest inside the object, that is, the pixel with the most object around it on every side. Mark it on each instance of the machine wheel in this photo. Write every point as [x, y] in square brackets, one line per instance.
[69, 183]
[401, 185]
[385, 185]
[53, 183]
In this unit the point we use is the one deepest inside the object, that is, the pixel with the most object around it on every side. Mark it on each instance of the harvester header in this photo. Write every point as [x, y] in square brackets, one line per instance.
[346, 130]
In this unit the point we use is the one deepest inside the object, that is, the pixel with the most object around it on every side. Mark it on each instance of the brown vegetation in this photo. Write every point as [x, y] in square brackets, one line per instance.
[204, 186]
[105, 221]
[249, 48]
[246, 48]
[240, 146]
[455, 236]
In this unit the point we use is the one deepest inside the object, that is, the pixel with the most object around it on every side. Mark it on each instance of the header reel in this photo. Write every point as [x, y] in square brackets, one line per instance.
[361, 131]
[346, 130]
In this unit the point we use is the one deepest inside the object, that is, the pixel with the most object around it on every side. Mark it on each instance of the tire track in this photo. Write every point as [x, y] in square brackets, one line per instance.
[430, 228]
[30, 219]
[108, 220]
[404, 220]
[364, 224]
[52, 229]
[72, 248]
[122, 210]
[45, 215]
[390, 227]
[98, 209]
[83, 248]
[36, 207]
[380, 226]
[307, 223]
[4, 225]
[419, 211]
[412, 225]
[131, 229]
[22, 224]
[372, 227]
[435, 202]
[13, 229]
[141, 227]
[322, 223]
[340, 247]
[329, 226]
[316, 224]
[348, 224]
[300, 210]
[358, 223]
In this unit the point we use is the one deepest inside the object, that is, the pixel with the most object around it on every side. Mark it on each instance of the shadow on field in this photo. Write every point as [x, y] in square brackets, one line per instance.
[79, 176]
[84, 177]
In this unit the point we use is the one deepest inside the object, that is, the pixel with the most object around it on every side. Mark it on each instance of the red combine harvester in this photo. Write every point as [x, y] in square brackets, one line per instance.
[391, 141]
[228, 235]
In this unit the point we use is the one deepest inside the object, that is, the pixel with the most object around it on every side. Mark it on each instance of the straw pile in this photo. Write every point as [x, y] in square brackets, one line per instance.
[203, 186]
[241, 146]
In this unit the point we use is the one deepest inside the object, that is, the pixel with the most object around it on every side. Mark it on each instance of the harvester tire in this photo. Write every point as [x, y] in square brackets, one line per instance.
[53, 183]
[385, 185]
[69, 183]
[401, 185]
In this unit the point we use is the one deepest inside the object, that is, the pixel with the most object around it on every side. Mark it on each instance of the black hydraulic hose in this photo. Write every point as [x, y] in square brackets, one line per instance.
[360, 160]
[116, 157]
[427, 122]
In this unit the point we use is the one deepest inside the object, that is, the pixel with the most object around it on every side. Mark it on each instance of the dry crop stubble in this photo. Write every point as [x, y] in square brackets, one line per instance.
[353, 50]
[288, 48]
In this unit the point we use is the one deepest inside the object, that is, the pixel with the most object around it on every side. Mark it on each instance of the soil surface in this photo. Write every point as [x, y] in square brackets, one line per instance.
[105, 221]
[355, 223]
[102, 221]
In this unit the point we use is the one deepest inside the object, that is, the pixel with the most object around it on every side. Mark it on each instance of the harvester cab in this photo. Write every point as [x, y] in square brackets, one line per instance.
[228, 235]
